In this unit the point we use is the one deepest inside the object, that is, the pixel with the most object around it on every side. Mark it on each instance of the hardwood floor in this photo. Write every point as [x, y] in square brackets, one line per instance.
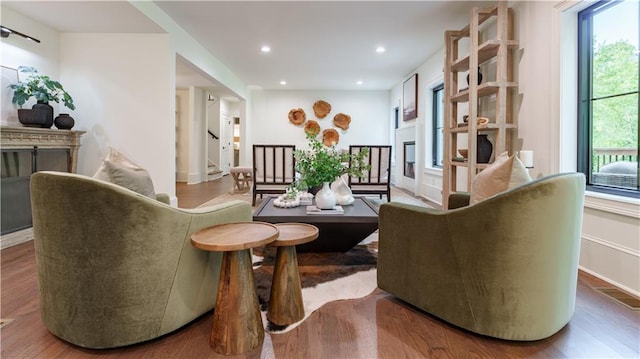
[376, 326]
[193, 195]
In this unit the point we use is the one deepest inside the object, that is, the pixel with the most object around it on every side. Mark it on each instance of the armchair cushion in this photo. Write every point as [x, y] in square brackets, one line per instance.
[505, 173]
[118, 169]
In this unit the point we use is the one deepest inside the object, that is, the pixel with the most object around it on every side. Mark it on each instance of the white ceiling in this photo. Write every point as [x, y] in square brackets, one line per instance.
[315, 44]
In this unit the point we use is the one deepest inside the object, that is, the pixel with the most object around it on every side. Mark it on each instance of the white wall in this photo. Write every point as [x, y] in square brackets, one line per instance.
[119, 104]
[182, 135]
[17, 51]
[428, 181]
[369, 111]
[123, 104]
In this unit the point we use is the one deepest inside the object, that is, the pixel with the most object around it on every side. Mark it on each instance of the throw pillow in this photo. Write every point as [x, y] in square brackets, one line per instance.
[118, 169]
[505, 173]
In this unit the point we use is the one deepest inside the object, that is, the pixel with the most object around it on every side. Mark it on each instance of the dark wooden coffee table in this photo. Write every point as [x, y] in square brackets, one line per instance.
[338, 233]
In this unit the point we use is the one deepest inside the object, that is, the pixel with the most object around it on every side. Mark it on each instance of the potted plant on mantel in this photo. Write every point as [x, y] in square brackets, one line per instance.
[44, 90]
[321, 165]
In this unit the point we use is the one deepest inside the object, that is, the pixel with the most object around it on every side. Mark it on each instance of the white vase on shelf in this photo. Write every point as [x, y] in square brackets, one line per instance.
[325, 198]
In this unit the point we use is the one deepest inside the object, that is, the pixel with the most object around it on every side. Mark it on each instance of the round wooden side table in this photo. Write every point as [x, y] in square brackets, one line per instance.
[285, 303]
[237, 322]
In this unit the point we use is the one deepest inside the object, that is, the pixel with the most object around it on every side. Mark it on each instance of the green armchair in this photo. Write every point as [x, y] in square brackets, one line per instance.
[116, 267]
[505, 267]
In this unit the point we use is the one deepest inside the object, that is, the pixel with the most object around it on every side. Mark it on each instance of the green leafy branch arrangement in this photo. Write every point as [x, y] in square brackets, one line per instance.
[321, 164]
[41, 87]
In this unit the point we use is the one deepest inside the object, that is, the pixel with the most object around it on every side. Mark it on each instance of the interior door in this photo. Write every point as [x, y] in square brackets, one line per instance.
[226, 143]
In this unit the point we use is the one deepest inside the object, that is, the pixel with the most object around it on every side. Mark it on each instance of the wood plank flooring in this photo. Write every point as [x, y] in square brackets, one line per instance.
[377, 326]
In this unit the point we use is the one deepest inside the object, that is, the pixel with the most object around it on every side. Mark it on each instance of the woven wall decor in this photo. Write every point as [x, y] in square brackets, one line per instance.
[297, 116]
[330, 137]
[312, 127]
[342, 121]
[321, 108]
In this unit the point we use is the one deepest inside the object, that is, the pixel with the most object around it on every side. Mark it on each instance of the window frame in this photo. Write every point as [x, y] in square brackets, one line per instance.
[585, 101]
[435, 107]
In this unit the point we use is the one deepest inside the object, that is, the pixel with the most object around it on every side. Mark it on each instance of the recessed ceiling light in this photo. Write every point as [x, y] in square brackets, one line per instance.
[265, 48]
[283, 82]
[359, 82]
[380, 49]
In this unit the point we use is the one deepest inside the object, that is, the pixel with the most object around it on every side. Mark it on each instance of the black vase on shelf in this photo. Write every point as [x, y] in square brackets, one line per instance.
[484, 148]
[41, 105]
[479, 77]
[64, 122]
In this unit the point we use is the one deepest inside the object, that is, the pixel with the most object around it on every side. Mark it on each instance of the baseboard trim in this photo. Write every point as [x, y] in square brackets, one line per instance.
[15, 238]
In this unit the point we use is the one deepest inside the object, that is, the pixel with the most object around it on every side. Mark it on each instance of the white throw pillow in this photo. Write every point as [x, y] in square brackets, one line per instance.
[118, 169]
[505, 173]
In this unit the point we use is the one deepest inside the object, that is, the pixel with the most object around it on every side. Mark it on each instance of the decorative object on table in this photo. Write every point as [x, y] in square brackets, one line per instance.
[284, 202]
[321, 108]
[327, 211]
[463, 152]
[342, 121]
[288, 200]
[305, 198]
[485, 148]
[43, 89]
[320, 164]
[479, 77]
[344, 196]
[325, 198]
[312, 127]
[330, 137]
[410, 98]
[297, 116]
[64, 122]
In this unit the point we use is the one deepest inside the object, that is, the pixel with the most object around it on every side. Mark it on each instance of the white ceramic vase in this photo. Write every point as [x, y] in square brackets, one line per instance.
[325, 198]
[344, 196]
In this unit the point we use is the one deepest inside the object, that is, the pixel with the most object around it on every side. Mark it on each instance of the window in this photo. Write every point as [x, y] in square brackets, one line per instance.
[438, 125]
[608, 68]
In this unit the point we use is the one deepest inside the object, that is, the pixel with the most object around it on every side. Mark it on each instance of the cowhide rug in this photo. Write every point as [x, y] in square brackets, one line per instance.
[325, 277]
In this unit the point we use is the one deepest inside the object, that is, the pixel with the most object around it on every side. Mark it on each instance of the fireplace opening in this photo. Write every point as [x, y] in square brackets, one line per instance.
[410, 159]
[16, 167]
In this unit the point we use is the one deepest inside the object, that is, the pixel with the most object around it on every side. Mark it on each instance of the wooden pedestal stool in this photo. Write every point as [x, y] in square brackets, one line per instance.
[285, 304]
[241, 176]
[237, 322]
